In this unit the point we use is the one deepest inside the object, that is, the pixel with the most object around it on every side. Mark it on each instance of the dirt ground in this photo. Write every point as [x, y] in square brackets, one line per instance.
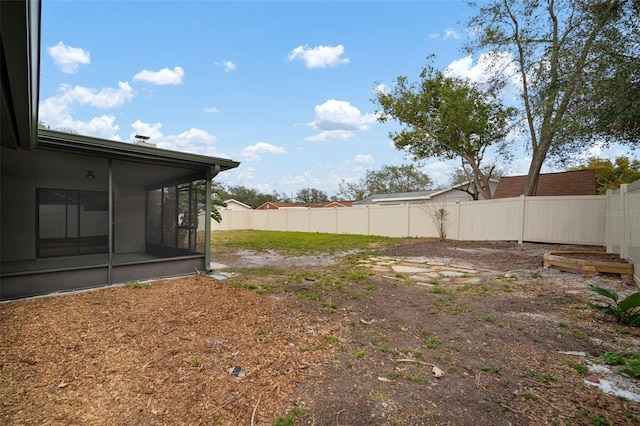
[320, 340]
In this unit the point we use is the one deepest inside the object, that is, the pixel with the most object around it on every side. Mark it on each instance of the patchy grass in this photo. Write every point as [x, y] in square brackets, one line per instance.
[297, 243]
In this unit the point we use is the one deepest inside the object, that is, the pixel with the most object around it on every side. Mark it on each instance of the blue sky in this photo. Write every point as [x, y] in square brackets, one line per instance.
[283, 87]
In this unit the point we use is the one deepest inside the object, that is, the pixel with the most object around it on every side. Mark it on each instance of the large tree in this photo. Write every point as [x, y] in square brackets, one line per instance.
[387, 180]
[609, 175]
[249, 196]
[354, 191]
[446, 117]
[311, 195]
[576, 63]
[464, 175]
[392, 179]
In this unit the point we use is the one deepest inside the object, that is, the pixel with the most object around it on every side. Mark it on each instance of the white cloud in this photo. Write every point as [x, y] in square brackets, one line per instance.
[99, 127]
[56, 111]
[146, 129]
[194, 140]
[213, 110]
[252, 152]
[439, 172]
[364, 159]
[331, 135]
[319, 56]
[488, 64]
[337, 120]
[227, 66]
[381, 88]
[163, 77]
[302, 180]
[451, 33]
[58, 106]
[433, 36]
[68, 58]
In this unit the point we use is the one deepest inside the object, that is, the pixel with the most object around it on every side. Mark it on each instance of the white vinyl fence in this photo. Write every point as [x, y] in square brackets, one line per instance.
[611, 220]
[622, 228]
[567, 220]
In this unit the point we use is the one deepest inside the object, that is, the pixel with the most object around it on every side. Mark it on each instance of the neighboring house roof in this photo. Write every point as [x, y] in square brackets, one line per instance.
[576, 182]
[411, 197]
[274, 205]
[398, 197]
[237, 203]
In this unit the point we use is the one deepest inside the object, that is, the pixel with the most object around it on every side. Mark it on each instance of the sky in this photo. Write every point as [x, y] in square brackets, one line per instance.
[284, 87]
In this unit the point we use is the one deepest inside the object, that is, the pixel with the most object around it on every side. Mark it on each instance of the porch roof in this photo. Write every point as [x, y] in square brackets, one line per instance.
[86, 145]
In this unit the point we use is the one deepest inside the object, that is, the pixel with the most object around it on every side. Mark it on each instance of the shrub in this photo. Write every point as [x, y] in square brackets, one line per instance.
[625, 311]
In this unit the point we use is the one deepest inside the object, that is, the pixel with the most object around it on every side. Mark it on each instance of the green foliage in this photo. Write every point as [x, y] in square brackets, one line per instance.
[629, 362]
[296, 243]
[576, 65]
[625, 311]
[196, 361]
[360, 353]
[311, 195]
[386, 180]
[609, 175]
[596, 420]
[446, 117]
[249, 196]
[289, 420]
[543, 377]
[580, 368]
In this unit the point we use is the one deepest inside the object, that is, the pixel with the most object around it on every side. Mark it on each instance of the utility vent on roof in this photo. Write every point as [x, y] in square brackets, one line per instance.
[143, 141]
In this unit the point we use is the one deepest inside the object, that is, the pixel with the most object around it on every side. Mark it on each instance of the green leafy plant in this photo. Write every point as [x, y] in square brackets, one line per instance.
[626, 311]
[628, 362]
[196, 361]
[543, 377]
[580, 368]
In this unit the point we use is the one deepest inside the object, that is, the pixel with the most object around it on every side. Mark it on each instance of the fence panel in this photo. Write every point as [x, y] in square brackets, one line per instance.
[491, 220]
[323, 220]
[298, 220]
[353, 220]
[631, 229]
[389, 221]
[567, 220]
[613, 221]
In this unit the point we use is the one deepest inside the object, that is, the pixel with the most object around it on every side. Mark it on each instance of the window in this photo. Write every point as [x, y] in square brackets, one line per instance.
[72, 222]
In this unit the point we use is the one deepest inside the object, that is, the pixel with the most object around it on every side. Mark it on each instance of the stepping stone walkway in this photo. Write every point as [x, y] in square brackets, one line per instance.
[428, 272]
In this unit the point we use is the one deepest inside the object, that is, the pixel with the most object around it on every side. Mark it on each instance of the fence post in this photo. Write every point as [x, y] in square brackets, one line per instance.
[522, 209]
[608, 241]
[458, 221]
[623, 220]
[408, 219]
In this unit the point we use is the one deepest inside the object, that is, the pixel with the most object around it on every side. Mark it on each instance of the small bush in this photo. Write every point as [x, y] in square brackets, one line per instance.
[625, 311]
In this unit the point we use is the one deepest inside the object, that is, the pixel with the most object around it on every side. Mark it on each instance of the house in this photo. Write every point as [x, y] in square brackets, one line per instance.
[576, 182]
[448, 195]
[81, 212]
[232, 204]
[275, 205]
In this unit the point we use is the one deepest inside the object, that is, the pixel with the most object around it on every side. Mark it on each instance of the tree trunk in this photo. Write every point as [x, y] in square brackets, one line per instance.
[531, 185]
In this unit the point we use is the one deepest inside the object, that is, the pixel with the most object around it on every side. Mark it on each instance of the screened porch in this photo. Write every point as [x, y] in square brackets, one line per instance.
[77, 218]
